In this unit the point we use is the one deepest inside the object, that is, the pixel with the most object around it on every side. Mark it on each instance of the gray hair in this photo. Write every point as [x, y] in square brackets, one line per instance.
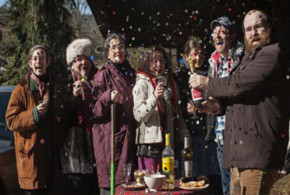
[118, 36]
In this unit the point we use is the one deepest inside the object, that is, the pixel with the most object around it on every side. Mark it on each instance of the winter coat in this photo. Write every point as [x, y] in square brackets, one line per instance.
[256, 97]
[33, 140]
[147, 109]
[74, 129]
[107, 79]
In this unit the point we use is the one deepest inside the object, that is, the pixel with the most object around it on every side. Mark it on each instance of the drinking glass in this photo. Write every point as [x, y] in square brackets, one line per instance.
[127, 171]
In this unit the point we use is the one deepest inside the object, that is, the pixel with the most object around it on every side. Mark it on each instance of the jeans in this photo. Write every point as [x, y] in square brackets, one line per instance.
[225, 172]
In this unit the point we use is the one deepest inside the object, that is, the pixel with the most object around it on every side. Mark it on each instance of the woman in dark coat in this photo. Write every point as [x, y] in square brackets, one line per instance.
[113, 83]
[76, 149]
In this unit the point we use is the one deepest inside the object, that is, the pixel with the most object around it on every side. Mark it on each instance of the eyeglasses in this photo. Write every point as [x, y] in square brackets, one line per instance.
[121, 47]
[259, 28]
[161, 61]
[81, 58]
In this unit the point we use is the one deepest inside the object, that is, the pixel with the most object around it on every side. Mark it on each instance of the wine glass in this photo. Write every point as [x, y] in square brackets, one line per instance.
[127, 171]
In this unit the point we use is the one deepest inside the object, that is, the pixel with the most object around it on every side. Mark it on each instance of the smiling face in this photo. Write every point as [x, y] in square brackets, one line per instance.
[38, 62]
[157, 64]
[221, 39]
[197, 56]
[256, 34]
[116, 51]
[82, 65]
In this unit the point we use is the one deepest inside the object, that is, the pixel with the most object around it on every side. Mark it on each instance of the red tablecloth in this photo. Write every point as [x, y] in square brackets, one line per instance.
[121, 191]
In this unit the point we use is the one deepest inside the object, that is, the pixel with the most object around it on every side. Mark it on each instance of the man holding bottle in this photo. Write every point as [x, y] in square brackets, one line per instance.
[256, 101]
[227, 55]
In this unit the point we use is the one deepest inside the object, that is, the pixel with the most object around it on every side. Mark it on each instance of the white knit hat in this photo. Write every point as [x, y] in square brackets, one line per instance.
[78, 47]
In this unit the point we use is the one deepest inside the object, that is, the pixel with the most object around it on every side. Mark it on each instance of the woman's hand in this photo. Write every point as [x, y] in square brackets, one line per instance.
[159, 91]
[41, 108]
[116, 96]
[77, 88]
[190, 107]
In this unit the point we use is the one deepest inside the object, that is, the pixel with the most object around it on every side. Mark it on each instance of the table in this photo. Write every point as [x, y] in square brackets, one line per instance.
[177, 191]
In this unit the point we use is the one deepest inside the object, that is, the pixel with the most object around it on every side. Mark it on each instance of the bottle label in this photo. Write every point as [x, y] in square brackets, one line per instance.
[188, 169]
[197, 94]
[167, 164]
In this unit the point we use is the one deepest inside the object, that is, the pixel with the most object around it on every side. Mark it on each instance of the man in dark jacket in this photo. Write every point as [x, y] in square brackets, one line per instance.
[256, 102]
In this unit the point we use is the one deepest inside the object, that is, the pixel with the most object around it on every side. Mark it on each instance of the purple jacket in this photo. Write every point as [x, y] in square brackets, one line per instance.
[109, 78]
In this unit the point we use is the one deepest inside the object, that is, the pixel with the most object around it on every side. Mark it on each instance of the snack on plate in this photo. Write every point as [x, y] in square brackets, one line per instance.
[201, 183]
[139, 175]
[191, 184]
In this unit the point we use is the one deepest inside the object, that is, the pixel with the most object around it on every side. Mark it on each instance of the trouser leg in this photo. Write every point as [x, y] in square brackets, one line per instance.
[252, 181]
[225, 172]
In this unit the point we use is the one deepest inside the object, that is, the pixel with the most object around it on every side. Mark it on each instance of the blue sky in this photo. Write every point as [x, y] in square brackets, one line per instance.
[2, 2]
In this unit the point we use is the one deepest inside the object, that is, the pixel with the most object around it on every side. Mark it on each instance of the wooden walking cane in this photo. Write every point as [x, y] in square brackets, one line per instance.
[113, 108]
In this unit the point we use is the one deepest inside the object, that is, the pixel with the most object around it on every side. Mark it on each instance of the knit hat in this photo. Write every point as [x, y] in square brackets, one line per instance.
[222, 21]
[78, 47]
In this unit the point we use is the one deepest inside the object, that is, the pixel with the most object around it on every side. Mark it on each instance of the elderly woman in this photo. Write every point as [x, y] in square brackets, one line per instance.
[76, 153]
[156, 109]
[113, 84]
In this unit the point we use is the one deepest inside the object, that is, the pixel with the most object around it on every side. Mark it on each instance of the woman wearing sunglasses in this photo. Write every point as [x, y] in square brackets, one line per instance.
[76, 153]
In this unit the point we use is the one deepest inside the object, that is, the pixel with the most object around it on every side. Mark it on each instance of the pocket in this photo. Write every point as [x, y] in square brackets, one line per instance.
[26, 143]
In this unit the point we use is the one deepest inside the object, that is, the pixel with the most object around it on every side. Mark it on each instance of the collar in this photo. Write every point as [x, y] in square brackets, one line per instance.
[33, 85]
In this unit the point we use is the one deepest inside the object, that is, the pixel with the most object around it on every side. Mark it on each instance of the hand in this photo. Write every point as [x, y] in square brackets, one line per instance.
[198, 81]
[190, 108]
[159, 91]
[209, 106]
[116, 96]
[77, 88]
[41, 108]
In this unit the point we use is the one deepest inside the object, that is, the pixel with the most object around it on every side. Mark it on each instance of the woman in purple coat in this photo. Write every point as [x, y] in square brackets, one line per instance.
[113, 83]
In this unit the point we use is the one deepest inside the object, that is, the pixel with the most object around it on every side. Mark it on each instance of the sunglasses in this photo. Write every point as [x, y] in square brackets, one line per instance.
[81, 58]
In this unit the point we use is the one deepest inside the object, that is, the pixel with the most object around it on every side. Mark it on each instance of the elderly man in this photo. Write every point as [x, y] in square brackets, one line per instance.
[227, 55]
[256, 101]
[29, 115]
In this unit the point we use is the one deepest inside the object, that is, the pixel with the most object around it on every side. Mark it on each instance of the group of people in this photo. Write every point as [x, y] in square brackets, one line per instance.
[239, 131]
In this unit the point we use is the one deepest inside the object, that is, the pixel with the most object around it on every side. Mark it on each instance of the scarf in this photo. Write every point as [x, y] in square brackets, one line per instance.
[43, 87]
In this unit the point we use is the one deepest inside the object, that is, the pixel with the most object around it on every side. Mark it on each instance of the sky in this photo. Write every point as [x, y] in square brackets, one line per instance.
[2, 2]
[87, 11]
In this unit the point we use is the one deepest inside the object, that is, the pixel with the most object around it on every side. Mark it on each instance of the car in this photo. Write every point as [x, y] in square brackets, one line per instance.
[8, 173]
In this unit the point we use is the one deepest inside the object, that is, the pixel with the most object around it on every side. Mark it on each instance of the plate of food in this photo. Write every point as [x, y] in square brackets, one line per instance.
[193, 185]
[133, 186]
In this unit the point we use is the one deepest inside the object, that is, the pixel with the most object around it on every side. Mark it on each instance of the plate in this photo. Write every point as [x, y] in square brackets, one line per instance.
[195, 188]
[133, 186]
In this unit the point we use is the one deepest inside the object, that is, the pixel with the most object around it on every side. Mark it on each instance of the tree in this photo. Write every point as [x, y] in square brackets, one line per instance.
[33, 22]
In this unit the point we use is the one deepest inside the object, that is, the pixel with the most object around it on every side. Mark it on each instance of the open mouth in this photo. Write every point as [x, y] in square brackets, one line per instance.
[219, 42]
